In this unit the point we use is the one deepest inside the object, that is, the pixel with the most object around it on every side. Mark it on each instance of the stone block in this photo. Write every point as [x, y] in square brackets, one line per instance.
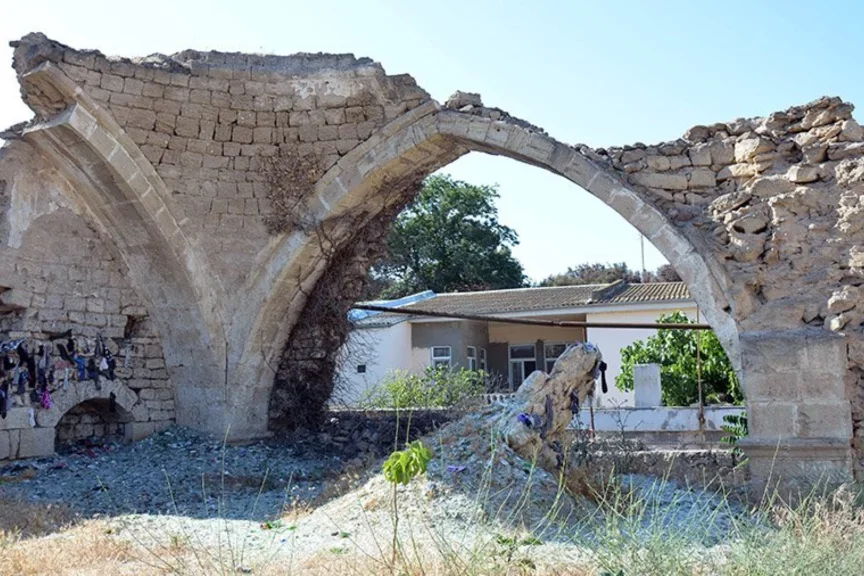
[771, 386]
[702, 178]
[820, 386]
[187, 127]
[247, 118]
[824, 420]
[5, 448]
[722, 152]
[36, 443]
[242, 134]
[665, 181]
[826, 352]
[133, 86]
[262, 135]
[348, 131]
[138, 430]
[774, 351]
[153, 90]
[143, 119]
[772, 420]
[334, 116]
[308, 133]
[176, 93]
[656, 162]
[112, 83]
[18, 418]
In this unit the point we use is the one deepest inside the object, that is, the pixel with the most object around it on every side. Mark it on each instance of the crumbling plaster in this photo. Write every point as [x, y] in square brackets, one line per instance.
[761, 217]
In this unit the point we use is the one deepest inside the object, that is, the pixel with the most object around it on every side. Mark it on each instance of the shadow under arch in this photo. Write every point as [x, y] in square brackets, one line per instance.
[418, 143]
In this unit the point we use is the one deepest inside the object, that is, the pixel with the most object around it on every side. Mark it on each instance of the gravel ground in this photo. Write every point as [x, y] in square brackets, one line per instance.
[177, 471]
[459, 504]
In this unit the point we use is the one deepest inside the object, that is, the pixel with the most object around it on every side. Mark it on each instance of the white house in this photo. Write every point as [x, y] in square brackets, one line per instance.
[382, 342]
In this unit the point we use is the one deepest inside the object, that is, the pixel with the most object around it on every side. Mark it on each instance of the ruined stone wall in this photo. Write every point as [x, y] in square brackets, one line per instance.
[90, 420]
[62, 275]
[167, 156]
[779, 200]
[204, 119]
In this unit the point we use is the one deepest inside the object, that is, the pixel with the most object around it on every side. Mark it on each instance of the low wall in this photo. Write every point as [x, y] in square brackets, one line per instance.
[355, 433]
[654, 421]
[376, 432]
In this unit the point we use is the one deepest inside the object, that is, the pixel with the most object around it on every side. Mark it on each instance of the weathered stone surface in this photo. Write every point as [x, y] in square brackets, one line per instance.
[542, 408]
[35, 443]
[803, 174]
[763, 217]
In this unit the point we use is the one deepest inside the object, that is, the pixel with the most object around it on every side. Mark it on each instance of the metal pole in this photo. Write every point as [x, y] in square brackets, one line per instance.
[642, 247]
[699, 381]
[525, 321]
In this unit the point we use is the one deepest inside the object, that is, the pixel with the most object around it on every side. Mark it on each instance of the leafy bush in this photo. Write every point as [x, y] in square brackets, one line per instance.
[435, 387]
[403, 465]
[675, 352]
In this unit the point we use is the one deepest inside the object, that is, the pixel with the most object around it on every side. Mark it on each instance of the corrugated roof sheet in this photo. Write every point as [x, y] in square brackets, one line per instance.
[492, 302]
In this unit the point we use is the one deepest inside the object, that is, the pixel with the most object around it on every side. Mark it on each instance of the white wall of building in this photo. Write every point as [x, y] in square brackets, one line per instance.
[612, 340]
[381, 350]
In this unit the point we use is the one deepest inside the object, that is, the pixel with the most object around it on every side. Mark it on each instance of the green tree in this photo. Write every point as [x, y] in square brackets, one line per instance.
[599, 273]
[596, 273]
[675, 352]
[448, 240]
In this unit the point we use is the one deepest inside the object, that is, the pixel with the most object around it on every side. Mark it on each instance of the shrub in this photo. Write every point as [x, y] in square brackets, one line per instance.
[435, 387]
[675, 352]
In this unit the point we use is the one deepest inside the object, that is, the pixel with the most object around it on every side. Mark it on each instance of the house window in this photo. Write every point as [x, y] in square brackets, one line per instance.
[551, 351]
[472, 358]
[361, 369]
[483, 359]
[441, 357]
[523, 361]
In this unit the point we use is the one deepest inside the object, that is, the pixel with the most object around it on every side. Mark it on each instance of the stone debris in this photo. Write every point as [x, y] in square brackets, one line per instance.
[176, 471]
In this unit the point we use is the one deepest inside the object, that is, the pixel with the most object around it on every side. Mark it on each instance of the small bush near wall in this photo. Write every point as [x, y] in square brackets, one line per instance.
[680, 365]
[436, 387]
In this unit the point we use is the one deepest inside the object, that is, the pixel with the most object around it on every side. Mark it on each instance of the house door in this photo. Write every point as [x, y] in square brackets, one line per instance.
[523, 361]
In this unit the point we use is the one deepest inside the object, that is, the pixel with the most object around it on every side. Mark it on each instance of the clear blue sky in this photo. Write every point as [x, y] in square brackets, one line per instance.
[600, 73]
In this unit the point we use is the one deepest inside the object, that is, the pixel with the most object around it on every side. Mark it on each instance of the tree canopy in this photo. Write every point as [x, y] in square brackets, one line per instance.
[449, 239]
[675, 352]
[600, 273]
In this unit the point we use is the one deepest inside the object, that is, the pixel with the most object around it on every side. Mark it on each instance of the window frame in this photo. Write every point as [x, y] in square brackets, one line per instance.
[483, 359]
[522, 361]
[547, 368]
[436, 359]
[471, 355]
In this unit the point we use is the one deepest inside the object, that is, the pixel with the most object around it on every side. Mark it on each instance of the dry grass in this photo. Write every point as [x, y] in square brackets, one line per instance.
[821, 535]
[82, 550]
[20, 520]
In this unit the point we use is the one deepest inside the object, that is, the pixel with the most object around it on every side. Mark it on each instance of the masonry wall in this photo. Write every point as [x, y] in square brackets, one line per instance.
[206, 128]
[762, 217]
[61, 275]
[778, 199]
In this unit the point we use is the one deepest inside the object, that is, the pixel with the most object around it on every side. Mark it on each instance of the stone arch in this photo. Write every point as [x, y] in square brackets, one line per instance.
[65, 400]
[109, 176]
[431, 137]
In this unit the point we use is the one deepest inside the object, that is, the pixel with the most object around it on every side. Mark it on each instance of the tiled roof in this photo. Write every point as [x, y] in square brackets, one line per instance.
[652, 292]
[492, 302]
[516, 300]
